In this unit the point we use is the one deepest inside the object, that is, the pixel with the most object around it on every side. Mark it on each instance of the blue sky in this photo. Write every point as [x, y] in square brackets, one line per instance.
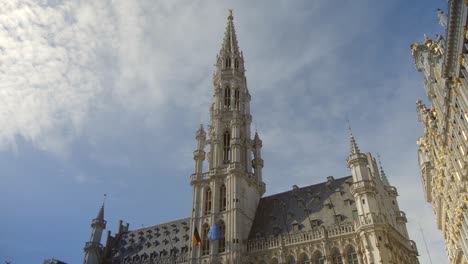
[105, 97]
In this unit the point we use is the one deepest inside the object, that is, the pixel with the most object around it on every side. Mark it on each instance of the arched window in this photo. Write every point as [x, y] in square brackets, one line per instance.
[290, 260]
[227, 147]
[304, 259]
[205, 244]
[236, 99]
[318, 258]
[236, 63]
[207, 201]
[274, 261]
[228, 62]
[222, 198]
[222, 241]
[336, 257]
[351, 256]
[227, 98]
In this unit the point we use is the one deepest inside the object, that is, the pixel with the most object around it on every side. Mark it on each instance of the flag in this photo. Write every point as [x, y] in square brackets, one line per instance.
[214, 233]
[196, 238]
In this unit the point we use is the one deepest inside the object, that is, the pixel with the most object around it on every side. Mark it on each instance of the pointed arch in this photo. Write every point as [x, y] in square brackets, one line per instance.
[317, 258]
[222, 198]
[227, 98]
[303, 258]
[226, 147]
[228, 62]
[336, 256]
[351, 255]
[208, 201]
[236, 63]
[222, 241]
[205, 244]
[290, 260]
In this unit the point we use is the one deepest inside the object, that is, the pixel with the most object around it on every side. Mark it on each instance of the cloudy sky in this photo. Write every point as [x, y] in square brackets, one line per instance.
[105, 97]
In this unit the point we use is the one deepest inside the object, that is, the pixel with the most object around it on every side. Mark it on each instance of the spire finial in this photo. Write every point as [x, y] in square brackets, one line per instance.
[383, 177]
[230, 17]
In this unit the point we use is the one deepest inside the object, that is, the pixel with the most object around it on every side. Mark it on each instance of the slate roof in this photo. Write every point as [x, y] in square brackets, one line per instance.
[302, 209]
[154, 242]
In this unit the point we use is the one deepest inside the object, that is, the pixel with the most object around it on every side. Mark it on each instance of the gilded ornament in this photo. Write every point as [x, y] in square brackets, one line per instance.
[461, 59]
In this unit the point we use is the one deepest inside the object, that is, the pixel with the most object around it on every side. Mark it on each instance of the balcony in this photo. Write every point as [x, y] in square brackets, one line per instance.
[363, 186]
[401, 216]
[412, 245]
[391, 190]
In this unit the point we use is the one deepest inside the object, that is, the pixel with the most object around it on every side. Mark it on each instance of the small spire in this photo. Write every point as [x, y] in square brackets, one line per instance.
[383, 177]
[354, 149]
[100, 215]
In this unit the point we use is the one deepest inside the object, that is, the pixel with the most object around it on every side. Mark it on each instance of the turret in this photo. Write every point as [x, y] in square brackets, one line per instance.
[93, 248]
[199, 153]
[257, 161]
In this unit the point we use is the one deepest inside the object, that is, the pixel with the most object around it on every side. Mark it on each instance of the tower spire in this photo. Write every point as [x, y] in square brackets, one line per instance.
[230, 39]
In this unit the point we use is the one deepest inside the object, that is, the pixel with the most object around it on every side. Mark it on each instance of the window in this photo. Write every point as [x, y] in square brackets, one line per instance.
[336, 257]
[205, 245]
[236, 99]
[228, 62]
[363, 201]
[318, 258]
[222, 198]
[207, 201]
[351, 256]
[227, 147]
[222, 241]
[236, 63]
[227, 98]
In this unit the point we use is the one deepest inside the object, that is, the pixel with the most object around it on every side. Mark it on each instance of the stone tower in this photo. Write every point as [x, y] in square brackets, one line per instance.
[381, 226]
[228, 193]
[93, 248]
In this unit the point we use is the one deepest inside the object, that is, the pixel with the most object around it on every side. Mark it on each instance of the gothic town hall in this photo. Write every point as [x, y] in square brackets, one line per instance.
[353, 219]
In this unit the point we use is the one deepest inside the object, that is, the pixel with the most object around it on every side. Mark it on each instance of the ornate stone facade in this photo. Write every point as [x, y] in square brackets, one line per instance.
[443, 149]
[353, 219]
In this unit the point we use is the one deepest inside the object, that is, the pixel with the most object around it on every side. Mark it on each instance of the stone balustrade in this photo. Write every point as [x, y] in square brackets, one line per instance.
[297, 238]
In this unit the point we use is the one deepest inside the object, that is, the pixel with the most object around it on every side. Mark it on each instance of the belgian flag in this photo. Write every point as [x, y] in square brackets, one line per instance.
[196, 238]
